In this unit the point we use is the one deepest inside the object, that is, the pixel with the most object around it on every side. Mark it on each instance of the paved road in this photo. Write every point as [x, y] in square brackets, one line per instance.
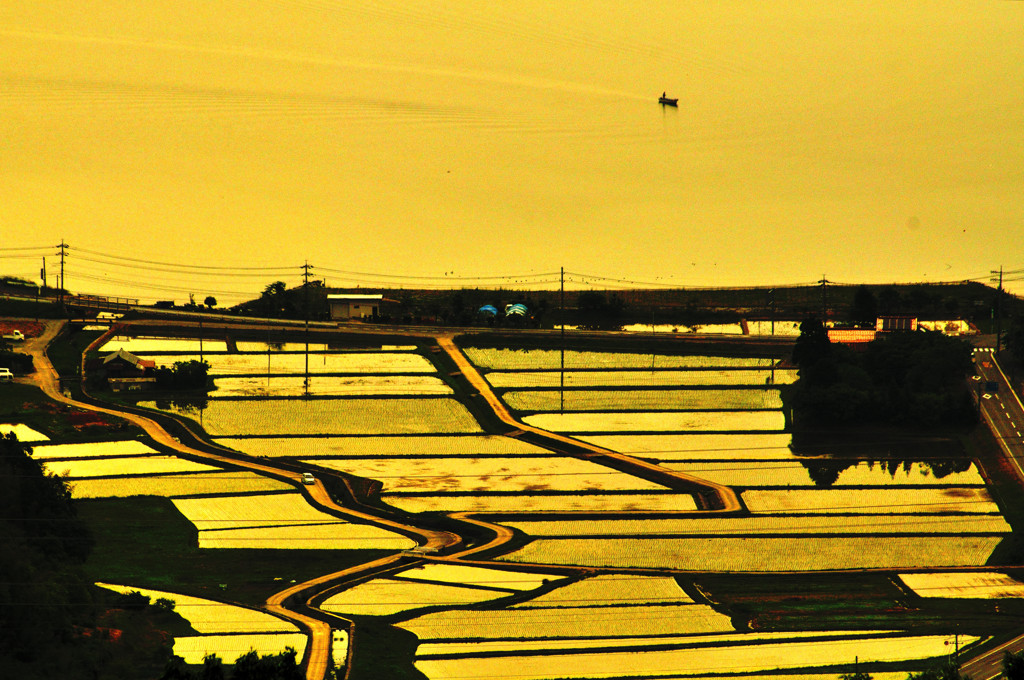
[1002, 410]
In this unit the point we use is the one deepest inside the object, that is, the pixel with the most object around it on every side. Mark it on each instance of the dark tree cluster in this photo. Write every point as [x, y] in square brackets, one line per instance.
[596, 312]
[43, 591]
[250, 666]
[183, 375]
[825, 471]
[902, 378]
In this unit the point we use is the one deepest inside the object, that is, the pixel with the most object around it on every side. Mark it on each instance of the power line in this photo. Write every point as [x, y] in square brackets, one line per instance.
[181, 265]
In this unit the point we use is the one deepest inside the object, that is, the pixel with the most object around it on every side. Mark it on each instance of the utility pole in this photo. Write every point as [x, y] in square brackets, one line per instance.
[63, 251]
[771, 307]
[824, 300]
[305, 296]
[998, 306]
[561, 323]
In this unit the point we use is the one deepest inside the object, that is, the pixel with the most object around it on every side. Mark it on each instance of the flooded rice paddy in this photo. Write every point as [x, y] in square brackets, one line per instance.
[748, 473]
[79, 468]
[391, 418]
[612, 621]
[384, 446]
[327, 416]
[209, 616]
[726, 658]
[279, 521]
[469, 475]
[24, 433]
[432, 585]
[689, 421]
[611, 590]
[762, 554]
[875, 500]
[641, 400]
[690, 447]
[383, 597]
[989, 585]
[327, 386]
[572, 502]
[760, 525]
[223, 629]
[282, 364]
[128, 447]
[228, 482]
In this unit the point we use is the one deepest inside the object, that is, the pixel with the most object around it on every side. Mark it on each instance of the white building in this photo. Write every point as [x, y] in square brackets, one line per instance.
[352, 306]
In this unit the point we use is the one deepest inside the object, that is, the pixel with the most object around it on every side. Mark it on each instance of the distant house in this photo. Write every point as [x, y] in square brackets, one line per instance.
[352, 306]
[888, 324]
[124, 364]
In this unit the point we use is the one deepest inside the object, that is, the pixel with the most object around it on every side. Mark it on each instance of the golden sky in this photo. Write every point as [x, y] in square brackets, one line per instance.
[867, 141]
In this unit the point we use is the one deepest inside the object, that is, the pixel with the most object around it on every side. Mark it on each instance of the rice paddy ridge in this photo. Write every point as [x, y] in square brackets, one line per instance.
[717, 494]
[318, 646]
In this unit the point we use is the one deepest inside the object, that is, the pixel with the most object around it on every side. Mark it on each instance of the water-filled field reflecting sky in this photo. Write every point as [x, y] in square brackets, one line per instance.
[872, 141]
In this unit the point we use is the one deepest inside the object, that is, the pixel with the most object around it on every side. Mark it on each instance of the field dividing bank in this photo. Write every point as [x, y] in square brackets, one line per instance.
[714, 497]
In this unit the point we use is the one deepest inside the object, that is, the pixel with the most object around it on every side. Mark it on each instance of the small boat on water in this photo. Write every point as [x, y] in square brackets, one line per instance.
[665, 101]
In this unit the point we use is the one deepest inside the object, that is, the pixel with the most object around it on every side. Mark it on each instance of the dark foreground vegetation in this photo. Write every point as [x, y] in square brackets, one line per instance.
[914, 379]
[53, 622]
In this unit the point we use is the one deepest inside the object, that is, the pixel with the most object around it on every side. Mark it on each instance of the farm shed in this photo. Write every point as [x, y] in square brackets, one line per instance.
[124, 364]
[353, 306]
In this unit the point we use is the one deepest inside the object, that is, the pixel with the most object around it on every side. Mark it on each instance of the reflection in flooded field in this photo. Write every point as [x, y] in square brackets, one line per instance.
[327, 386]
[751, 473]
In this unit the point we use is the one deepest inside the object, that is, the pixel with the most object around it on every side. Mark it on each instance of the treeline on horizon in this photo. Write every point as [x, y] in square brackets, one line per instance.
[610, 309]
[903, 378]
